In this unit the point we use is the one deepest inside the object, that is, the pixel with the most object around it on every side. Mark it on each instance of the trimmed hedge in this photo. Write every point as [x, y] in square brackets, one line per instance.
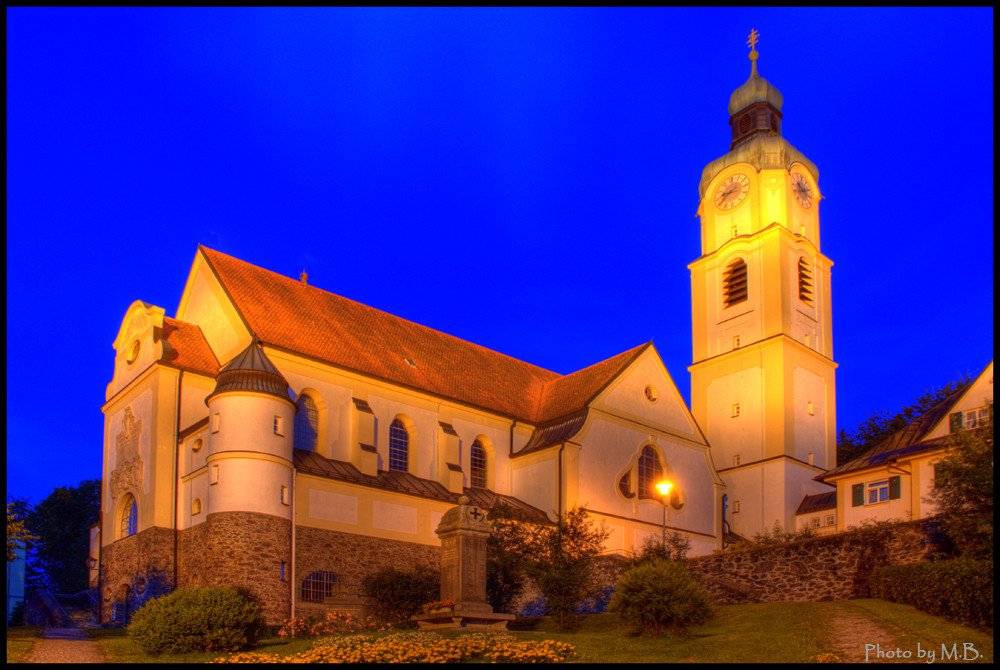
[393, 595]
[959, 590]
[198, 619]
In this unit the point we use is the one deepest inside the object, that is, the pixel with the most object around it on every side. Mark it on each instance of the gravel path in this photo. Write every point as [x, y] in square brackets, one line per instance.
[64, 645]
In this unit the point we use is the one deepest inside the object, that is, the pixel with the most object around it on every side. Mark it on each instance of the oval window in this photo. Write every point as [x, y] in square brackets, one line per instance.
[133, 352]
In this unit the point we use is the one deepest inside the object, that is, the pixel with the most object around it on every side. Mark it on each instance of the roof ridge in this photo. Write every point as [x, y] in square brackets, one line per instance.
[376, 310]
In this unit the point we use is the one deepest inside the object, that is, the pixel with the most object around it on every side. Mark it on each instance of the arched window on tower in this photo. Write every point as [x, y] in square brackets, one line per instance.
[477, 462]
[805, 282]
[129, 517]
[399, 446]
[306, 424]
[650, 472]
[734, 283]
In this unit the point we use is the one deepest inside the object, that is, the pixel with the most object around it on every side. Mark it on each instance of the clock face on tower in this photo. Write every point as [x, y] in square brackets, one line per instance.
[803, 194]
[732, 191]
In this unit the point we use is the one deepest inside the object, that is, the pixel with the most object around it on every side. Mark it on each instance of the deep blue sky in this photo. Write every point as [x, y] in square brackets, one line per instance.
[523, 179]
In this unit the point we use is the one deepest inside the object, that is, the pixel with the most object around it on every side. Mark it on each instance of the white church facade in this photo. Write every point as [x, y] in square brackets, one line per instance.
[275, 435]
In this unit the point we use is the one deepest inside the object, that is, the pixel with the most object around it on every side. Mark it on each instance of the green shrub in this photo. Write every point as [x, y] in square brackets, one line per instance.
[959, 590]
[393, 595]
[658, 596]
[198, 619]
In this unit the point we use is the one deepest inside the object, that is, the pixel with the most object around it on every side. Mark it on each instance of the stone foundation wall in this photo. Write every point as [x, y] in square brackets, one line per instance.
[833, 567]
[354, 557]
[135, 569]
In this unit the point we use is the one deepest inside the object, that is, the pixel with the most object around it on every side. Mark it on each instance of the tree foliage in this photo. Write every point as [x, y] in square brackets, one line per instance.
[17, 534]
[506, 556]
[880, 424]
[62, 523]
[562, 559]
[963, 491]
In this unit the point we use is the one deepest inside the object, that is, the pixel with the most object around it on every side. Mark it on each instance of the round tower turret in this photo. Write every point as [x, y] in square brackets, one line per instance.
[250, 476]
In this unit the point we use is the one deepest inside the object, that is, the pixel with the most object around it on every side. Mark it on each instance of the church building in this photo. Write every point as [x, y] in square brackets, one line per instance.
[275, 435]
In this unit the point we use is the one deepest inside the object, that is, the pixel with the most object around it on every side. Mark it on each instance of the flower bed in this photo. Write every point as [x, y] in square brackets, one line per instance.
[422, 647]
[334, 623]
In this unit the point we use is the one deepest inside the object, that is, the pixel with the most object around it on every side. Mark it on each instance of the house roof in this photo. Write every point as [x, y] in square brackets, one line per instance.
[292, 315]
[403, 482]
[187, 348]
[818, 502]
[907, 441]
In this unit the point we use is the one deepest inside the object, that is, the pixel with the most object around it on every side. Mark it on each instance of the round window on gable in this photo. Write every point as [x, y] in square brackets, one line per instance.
[651, 394]
[133, 352]
[197, 445]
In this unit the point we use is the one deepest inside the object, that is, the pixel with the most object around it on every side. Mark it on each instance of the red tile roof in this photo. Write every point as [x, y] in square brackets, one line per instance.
[188, 347]
[286, 313]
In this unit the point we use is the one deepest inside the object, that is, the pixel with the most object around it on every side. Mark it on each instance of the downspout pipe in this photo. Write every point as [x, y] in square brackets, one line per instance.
[176, 466]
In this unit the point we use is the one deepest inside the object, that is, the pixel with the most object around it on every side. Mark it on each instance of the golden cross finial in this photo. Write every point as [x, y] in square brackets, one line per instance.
[753, 39]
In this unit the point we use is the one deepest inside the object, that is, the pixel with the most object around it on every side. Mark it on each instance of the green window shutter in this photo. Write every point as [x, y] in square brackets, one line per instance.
[857, 495]
[894, 488]
[956, 421]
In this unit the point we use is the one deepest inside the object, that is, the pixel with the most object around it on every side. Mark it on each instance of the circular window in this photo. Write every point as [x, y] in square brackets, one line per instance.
[651, 394]
[745, 123]
[198, 444]
[133, 352]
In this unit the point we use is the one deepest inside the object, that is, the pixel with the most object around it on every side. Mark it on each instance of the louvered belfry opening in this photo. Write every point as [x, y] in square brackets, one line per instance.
[805, 282]
[734, 283]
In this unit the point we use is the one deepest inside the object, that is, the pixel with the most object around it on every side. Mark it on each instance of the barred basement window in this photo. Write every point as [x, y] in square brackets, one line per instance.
[322, 584]
[805, 282]
[650, 474]
[399, 446]
[306, 423]
[734, 283]
[477, 460]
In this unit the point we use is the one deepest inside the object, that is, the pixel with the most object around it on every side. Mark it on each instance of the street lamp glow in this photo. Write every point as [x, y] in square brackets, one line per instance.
[664, 488]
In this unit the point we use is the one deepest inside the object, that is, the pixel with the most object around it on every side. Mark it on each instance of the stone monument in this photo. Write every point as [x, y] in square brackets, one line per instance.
[463, 531]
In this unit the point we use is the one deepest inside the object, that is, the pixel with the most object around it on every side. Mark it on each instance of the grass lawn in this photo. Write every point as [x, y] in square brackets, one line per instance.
[752, 633]
[20, 640]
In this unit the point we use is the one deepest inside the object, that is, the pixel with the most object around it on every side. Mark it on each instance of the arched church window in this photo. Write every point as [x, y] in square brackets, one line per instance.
[477, 460]
[734, 283]
[805, 282]
[650, 473]
[306, 424]
[129, 517]
[399, 446]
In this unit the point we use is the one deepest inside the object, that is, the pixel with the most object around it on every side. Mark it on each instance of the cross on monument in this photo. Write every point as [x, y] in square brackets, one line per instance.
[475, 513]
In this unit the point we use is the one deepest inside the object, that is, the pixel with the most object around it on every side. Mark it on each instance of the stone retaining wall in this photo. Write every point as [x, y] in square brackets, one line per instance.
[833, 567]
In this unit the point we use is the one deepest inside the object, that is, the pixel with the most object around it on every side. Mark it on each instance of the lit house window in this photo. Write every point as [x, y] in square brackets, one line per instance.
[477, 461]
[977, 417]
[877, 492]
[814, 522]
[306, 424]
[873, 493]
[129, 517]
[829, 520]
[399, 446]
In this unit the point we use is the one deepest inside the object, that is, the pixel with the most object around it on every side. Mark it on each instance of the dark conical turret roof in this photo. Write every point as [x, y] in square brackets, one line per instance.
[251, 370]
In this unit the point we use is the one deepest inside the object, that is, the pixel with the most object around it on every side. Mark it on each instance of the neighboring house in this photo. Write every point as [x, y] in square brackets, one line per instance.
[818, 513]
[892, 481]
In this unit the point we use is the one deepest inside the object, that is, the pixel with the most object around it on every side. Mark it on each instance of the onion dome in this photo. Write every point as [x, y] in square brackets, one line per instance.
[251, 371]
[755, 118]
[754, 89]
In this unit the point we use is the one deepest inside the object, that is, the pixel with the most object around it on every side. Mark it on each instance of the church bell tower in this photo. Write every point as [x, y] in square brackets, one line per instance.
[762, 381]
